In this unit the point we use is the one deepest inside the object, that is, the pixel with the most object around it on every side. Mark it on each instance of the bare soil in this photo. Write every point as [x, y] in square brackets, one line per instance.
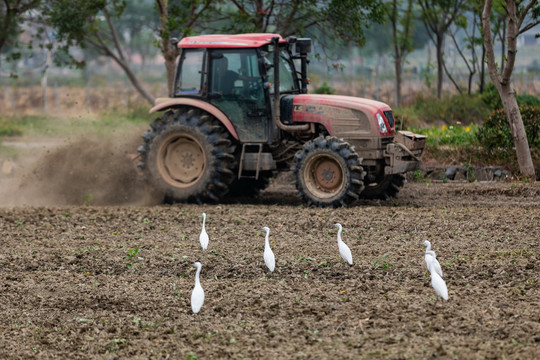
[73, 285]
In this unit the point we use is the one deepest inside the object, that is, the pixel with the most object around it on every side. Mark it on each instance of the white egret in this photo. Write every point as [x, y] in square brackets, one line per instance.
[197, 295]
[269, 258]
[437, 282]
[203, 238]
[344, 250]
[429, 256]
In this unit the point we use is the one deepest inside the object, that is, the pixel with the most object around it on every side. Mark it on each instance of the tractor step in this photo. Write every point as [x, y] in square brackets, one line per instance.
[253, 159]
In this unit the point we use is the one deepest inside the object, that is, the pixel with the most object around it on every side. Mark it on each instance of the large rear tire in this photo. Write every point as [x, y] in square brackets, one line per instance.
[187, 156]
[386, 187]
[328, 172]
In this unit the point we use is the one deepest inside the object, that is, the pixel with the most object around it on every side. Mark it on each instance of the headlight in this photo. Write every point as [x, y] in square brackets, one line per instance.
[382, 125]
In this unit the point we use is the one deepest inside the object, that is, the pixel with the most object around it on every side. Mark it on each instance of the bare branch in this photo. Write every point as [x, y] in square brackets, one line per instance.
[524, 13]
[512, 34]
[528, 27]
[114, 34]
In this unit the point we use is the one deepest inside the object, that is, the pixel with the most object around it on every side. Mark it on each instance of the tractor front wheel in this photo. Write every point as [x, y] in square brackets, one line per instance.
[328, 172]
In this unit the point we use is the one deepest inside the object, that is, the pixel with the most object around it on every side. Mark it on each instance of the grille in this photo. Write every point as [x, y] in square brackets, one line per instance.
[390, 117]
[386, 140]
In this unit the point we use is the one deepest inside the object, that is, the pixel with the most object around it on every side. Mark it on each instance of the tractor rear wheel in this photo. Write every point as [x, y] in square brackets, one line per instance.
[328, 172]
[187, 156]
[386, 187]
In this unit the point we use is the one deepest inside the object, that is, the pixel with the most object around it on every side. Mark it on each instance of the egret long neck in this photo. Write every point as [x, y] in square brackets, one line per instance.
[339, 233]
[428, 246]
[197, 281]
[266, 243]
[203, 220]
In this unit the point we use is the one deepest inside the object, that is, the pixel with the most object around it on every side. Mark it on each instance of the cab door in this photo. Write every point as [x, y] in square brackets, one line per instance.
[236, 88]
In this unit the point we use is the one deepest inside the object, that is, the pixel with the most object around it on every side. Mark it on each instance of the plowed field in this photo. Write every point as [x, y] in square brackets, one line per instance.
[115, 281]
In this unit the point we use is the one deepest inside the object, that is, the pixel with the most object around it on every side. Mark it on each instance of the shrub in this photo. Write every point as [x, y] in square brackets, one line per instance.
[492, 99]
[527, 99]
[324, 89]
[495, 132]
[464, 108]
[10, 127]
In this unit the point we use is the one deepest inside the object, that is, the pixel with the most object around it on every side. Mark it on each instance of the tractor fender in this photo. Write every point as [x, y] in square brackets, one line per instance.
[166, 103]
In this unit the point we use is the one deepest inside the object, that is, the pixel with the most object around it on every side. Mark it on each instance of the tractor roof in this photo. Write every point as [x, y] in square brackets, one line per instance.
[228, 41]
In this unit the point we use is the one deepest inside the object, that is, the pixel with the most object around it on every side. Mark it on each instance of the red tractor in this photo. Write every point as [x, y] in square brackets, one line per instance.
[240, 112]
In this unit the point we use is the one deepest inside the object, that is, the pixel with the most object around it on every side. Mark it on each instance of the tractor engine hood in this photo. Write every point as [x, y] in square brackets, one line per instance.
[342, 116]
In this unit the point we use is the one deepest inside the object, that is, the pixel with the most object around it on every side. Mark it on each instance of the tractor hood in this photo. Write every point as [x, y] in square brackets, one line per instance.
[342, 116]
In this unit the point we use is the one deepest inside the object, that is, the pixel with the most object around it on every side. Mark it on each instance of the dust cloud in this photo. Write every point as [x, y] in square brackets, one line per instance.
[81, 171]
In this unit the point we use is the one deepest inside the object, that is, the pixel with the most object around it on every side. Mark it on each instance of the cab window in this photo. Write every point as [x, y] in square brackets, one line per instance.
[189, 78]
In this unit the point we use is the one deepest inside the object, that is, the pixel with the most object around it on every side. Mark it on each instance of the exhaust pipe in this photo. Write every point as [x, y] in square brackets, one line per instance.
[277, 108]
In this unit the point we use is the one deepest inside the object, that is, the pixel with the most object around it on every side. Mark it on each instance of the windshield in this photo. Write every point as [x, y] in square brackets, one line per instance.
[287, 77]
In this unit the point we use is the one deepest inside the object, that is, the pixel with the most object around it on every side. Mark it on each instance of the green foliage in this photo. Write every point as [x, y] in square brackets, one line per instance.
[324, 89]
[132, 256]
[492, 99]
[528, 99]
[458, 134]
[462, 108]
[342, 20]
[10, 127]
[383, 263]
[495, 132]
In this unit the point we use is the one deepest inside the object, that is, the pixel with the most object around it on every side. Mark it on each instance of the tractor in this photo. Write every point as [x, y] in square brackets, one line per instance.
[240, 113]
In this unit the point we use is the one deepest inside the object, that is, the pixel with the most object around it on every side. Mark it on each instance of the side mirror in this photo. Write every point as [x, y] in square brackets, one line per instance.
[303, 45]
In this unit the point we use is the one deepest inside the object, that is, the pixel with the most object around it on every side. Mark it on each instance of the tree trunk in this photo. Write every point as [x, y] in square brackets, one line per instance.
[170, 66]
[511, 108]
[170, 52]
[44, 79]
[440, 69]
[398, 79]
[483, 69]
[503, 50]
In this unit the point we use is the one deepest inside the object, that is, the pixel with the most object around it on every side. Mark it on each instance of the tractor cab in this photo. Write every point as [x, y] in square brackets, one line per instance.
[238, 79]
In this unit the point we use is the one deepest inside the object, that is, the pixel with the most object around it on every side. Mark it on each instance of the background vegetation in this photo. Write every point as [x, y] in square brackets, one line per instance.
[55, 80]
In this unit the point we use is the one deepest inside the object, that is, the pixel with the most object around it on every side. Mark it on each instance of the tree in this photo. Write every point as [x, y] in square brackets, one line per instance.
[402, 21]
[179, 18]
[438, 15]
[90, 23]
[516, 25]
[470, 40]
[11, 13]
[11, 16]
[341, 21]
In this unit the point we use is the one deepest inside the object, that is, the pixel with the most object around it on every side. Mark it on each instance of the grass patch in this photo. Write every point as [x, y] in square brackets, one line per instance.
[458, 135]
[100, 124]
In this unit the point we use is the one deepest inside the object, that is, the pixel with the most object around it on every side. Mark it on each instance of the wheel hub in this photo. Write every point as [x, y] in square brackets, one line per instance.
[327, 174]
[181, 161]
[324, 176]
